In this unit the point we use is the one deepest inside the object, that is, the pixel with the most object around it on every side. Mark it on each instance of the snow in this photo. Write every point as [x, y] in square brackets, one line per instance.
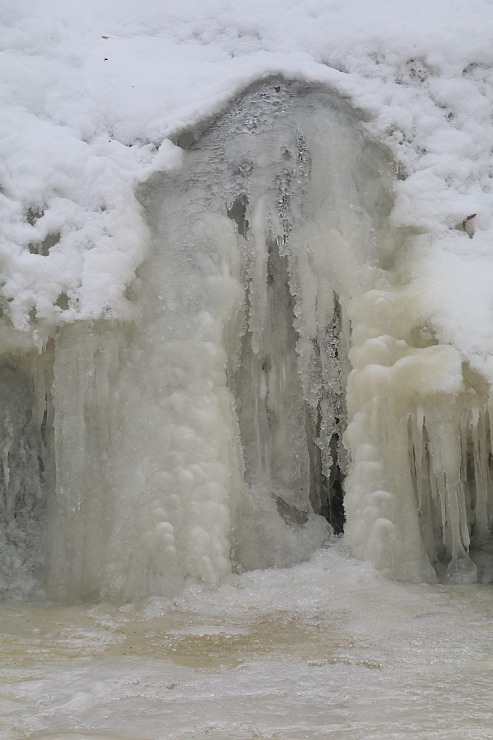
[91, 95]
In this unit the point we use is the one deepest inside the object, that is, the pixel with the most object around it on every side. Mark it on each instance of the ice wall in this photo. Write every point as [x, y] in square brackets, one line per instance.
[276, 355]
[288, 181]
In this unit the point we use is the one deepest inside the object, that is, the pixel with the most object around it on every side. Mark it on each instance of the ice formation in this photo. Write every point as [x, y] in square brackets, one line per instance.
[271, 353]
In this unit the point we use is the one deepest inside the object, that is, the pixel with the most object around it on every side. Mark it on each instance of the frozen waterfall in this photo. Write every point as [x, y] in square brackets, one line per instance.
[276, 358]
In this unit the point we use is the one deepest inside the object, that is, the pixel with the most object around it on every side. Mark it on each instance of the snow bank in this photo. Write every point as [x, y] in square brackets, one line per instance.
[91, 96]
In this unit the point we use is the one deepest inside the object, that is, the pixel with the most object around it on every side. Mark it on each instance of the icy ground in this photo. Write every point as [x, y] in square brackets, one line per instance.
[325, 649]
[93, 95]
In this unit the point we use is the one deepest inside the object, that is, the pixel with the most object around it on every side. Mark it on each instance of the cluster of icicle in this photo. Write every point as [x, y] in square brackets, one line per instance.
[451, 467]
[419, 494]
[206, 433]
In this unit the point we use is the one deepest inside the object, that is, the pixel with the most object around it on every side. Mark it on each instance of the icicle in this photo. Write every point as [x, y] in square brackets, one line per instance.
[481, 527]
[78, 520]
[445, 458]
[426, 491]
[6, 445]
[467, 476]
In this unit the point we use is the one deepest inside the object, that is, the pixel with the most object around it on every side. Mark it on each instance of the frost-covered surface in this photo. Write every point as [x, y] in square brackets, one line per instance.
[90, 94]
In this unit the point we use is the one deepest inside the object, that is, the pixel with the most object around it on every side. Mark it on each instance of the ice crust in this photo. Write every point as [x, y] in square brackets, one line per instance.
[189, 284]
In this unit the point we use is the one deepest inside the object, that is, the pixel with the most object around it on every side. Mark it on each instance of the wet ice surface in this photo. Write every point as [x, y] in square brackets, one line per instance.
[326, 649]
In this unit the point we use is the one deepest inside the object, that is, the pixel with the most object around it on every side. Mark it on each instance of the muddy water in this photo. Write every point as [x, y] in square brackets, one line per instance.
[326, 649]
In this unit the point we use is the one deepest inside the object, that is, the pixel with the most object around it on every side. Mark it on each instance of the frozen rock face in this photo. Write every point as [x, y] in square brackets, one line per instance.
[276, 360]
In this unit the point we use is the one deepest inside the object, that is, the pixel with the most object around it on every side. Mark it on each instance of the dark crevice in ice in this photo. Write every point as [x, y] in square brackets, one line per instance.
[237, 212]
